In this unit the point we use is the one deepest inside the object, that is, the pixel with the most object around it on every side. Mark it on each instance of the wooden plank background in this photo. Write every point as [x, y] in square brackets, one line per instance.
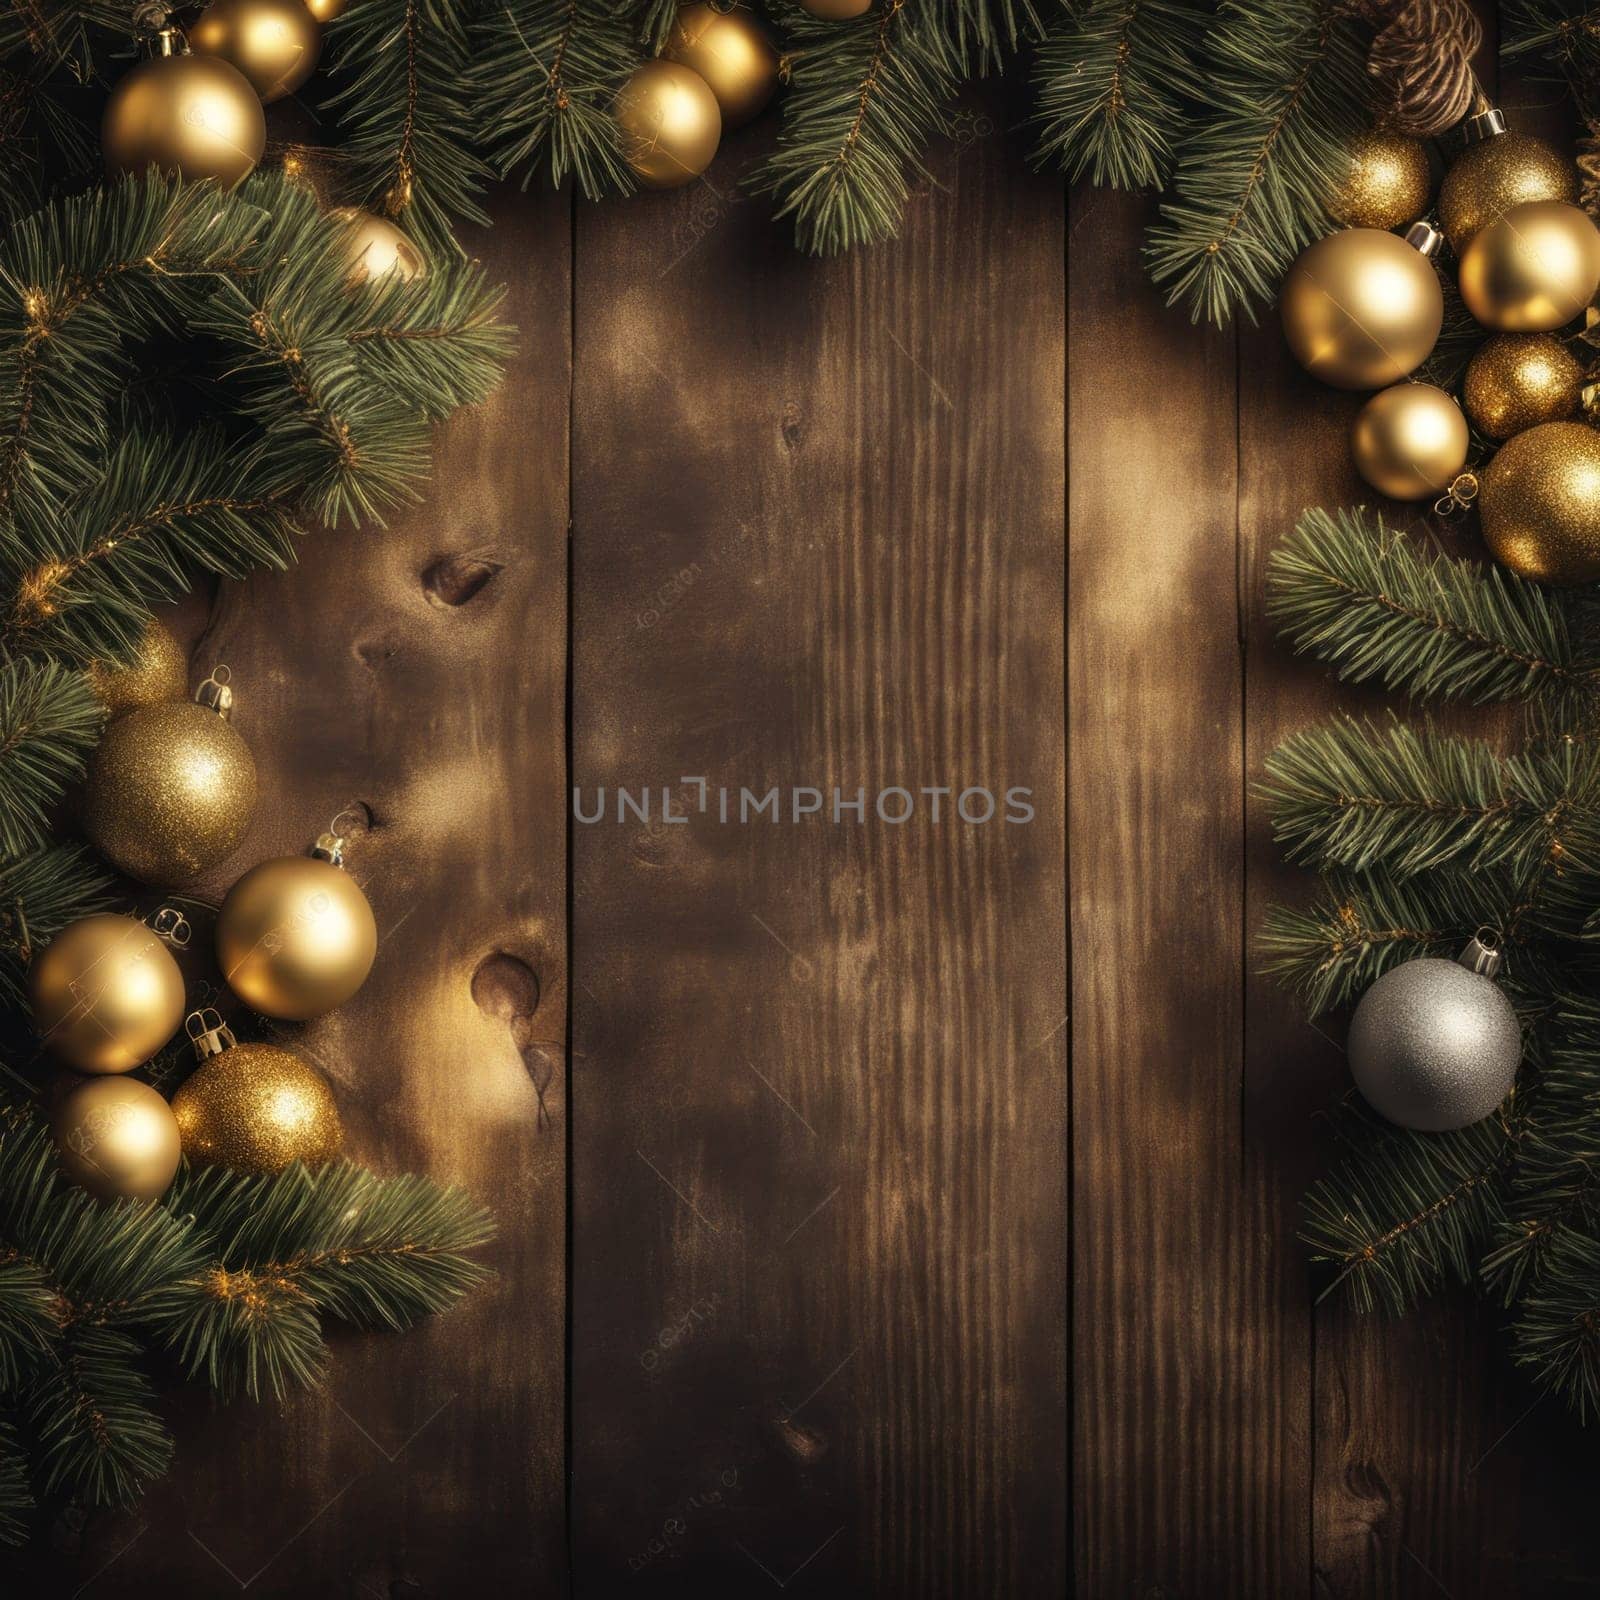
[894, 1211]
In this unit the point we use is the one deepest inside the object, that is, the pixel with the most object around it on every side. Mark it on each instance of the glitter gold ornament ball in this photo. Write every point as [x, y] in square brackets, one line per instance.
[731, 51]
[1362, 308]
[274, 43]
[170, 792]
[106, 994]
[1540, 503]
[1533, 269]
[1495, 174]
[1410, 441]
[670, 124]
[375, 248]
[1518, 380]
[296, 937]
[158, 670]
[256, 1108]
[194, 116]
[1388, 184]
[117, 1138]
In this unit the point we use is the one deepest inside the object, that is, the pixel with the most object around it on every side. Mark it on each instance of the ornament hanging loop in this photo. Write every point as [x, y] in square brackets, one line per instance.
[1482, 953]
[215, 695]
[171, 924]
[1458, 497]
[208, 1033]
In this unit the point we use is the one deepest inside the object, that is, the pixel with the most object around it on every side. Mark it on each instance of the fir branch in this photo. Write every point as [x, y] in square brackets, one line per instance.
[1353, 796]
[28, 1326]
[1112, 81]
[92, 1418]
[16, 1499]
[1408, 1211]
[1565, 36]
[40, 894]
[865, 99]
[375, 1252]
[1365, 599]
[545, 76]
[50, 720]
[1288, 84]
[160, 511]
[1558, 1323]
[406, 112]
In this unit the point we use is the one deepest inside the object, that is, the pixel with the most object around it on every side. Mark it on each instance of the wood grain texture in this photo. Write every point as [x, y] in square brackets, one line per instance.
[434, 1461]
[819, 1086]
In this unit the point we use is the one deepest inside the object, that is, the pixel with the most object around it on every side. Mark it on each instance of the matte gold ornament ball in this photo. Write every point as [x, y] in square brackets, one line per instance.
[1540, 503]
[1362, 308]
[117, 1138]
[836, 10]
[1518, 380]
[170, 792]
[732, 52]
[106, 994]
[1388, 184]
[194, 116]
[296, 937]
[158, 670]
[1410, 441]
[374, 248]
[1491, 177]
[1533, 270]
[274, 43]
[256, 1108]
[670, 124]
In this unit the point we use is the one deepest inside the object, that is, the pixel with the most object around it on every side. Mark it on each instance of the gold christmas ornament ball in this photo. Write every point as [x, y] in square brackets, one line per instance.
[375, 248]
[1410, 441]
[326, 10]
[1362, 308]
[1388, 184]
[1491, 177]
[836, 10]
[256, 1108]
[1540, 503]
[170, 792]
[670, 124]
[117, 1138]
[274, 43]
[732, 52]
[1534, 269]
[1518, 380]
[158, 671]
[296, 937]
[194, 116]
[106, 994]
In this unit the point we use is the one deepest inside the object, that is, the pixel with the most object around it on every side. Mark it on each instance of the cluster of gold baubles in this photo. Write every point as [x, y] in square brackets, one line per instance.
[1362, 309]
[169, 794]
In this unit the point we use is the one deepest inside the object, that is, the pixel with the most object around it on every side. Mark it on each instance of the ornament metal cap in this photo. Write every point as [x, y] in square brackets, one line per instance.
[215, 695]
[331, 842]
[1482, 954]
[171, 924]
[208, 1033]
[1483, 125]
[1424, 238]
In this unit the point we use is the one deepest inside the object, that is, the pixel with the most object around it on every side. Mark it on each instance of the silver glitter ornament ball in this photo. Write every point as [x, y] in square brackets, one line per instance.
[1435, 1044]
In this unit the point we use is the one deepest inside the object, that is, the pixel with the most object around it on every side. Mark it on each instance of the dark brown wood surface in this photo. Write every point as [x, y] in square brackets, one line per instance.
[915, 1215]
